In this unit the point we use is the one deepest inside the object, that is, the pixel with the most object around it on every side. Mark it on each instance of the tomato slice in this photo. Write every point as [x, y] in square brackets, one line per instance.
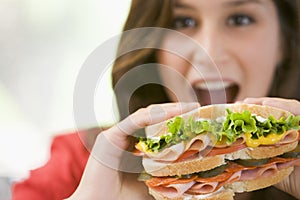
[230, 149]
[218, 178]
[137, 152]
[157, 181]
[187, 154]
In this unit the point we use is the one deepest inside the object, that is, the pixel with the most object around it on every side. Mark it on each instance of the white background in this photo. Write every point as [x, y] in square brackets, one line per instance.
[43, 44]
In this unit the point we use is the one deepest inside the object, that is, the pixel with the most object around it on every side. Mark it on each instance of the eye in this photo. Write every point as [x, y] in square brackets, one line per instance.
[184, 22]
[240, 20]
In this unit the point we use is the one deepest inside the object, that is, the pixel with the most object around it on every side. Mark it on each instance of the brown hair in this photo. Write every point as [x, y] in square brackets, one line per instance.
[158, 13]
[287, 75]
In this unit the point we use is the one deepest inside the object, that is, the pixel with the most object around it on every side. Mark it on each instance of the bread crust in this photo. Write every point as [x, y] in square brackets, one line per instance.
[215, 111]
[219, 195]
[207, 163]
[191, 166]
[235, 187]
[270, 151]
[219, 110]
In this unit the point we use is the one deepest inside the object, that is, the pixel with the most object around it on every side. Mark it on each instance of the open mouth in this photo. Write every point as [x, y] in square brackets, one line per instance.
[216, 92]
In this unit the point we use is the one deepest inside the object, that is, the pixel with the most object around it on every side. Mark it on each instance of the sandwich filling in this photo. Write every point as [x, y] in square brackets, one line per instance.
[262, 131]
[185, 141]
[231, 133]
[207, 182]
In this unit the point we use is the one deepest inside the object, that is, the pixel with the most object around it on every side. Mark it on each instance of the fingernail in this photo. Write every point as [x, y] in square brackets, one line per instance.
[188, 105]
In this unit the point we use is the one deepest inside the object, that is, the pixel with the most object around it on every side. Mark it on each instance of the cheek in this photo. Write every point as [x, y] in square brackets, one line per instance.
[175, 52]
[259, 70]
[173, 61]
[172, 72]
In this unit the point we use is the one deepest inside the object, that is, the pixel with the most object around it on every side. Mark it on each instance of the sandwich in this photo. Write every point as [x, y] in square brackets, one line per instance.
[216, 151]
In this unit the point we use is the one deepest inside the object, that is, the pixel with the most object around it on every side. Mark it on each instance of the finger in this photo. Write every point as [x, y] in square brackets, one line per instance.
[161, 112]
[112, 143]
[154, 114]
[290, 184]
[258, 101]
[292, 106]
[144, 117]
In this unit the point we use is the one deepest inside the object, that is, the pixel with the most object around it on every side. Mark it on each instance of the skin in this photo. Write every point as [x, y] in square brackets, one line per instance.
[240, 57]
[290, 184]
[231, 34]
[118, 185]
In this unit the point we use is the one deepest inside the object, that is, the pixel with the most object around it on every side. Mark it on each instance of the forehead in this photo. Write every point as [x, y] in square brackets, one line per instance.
[195, 3]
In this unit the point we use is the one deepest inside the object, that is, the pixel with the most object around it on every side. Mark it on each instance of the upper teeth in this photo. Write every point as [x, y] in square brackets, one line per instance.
[213, 85]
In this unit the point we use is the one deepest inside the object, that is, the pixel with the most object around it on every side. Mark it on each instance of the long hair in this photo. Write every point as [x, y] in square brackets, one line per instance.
[287, 75]
[158, 13]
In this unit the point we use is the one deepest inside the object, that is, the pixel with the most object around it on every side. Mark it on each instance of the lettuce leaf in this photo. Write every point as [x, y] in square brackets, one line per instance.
[234, 125]
[237, 123]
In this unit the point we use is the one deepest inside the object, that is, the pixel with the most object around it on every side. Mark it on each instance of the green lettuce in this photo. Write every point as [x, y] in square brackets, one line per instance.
[237, 123]
[232, 127]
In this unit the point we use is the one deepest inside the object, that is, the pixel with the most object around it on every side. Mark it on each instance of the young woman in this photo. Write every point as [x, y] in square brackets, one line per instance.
[252, 50]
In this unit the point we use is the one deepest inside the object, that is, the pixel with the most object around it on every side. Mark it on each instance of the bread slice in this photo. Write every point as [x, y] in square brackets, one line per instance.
[207, 163]
[210, 162]
[214, 111]
[269, 151]
[256, 184]
[223, 194]
[228, 191]
[187, 167]
[164, 168]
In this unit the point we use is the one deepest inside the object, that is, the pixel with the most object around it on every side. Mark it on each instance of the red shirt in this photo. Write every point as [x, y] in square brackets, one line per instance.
[60, 176]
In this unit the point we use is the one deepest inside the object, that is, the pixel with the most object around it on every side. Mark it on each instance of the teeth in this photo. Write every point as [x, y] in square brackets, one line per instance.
[213, 85]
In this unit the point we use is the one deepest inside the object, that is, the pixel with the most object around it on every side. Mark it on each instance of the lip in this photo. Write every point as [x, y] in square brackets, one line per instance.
[216, 91]
[213, 85]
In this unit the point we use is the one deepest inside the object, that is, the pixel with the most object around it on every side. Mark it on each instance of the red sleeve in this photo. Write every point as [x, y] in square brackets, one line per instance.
[60, 176]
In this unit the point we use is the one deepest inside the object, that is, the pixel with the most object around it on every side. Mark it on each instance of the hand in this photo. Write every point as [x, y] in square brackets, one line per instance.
[290, 105]
[291, 184]
[102, 178]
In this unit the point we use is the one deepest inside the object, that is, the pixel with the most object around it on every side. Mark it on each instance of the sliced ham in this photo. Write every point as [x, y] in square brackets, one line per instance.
[203, 188]
[177, 153]
[259, 172]
[219, 178]
[295, 162]
[172, 153]
[222, 144]
[236, 176]
[289, 137]
[234, 172]
[151, 165]
[198, 143]
[173, 190]
[194, 146]
[168, 154]
[181, 187]
[202, 144]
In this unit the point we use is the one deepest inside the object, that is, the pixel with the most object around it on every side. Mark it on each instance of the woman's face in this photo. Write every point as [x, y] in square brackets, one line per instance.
[241, 37]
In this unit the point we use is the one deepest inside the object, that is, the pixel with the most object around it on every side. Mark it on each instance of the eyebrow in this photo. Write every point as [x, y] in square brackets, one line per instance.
[179, 4]
[242, 2]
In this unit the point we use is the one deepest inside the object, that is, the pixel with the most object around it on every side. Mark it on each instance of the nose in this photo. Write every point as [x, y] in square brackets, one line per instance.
[213, 45]
[212, 56]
